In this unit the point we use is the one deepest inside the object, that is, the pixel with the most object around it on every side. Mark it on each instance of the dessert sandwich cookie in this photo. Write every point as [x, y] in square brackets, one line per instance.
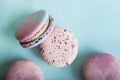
[60, 48]
[35, 29]
[101, 67]
[24, 70]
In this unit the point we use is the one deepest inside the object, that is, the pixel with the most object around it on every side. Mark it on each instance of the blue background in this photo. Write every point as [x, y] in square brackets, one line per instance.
[95, 23]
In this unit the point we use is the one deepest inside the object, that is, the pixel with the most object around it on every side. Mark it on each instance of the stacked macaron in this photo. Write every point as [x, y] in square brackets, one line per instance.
[35, 29]
[58, 47]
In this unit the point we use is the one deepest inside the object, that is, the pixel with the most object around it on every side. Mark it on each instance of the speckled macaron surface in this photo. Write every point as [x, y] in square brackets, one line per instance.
[60, 48]
[101, 67]
[24, 70]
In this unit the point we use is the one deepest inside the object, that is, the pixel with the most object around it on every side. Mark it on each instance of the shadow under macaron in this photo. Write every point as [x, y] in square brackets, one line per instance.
[77, 65]
[36, 51]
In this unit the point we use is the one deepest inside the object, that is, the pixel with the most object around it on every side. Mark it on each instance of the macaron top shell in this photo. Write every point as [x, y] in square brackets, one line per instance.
[60, 48]
[101, 67]
[42, 37]
[24, 70]
[32, 24]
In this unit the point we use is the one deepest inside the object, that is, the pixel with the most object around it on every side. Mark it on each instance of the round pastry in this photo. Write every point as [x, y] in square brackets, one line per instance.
[24, 70]
[60, 48]
[35, 29]
[101, 67]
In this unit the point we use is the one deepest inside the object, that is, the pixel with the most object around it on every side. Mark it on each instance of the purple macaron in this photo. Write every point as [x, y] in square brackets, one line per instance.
[24, 70]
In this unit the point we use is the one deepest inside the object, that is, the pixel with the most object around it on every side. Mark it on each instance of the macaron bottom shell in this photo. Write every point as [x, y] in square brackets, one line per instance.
[60, 48]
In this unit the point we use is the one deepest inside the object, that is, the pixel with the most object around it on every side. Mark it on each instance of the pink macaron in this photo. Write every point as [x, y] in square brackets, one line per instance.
[24, 70]
[101, 67]
[35, 29]
[60, 48]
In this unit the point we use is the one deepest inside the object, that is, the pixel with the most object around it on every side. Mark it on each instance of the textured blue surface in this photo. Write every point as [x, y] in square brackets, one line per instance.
[95, 23]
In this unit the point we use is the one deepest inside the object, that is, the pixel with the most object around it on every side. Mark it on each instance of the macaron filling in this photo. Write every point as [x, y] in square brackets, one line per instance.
[40, 38]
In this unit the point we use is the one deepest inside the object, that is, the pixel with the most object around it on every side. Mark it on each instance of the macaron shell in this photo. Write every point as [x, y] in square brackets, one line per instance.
[41, 32]
[32, 24]
[101, 67]
[41, 38]
[24, 70]
[60, 48]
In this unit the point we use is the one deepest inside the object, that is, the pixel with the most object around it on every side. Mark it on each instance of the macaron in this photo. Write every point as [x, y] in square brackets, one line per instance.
[101, 67]
[24, 70]
[60, 48]
[35, 29]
